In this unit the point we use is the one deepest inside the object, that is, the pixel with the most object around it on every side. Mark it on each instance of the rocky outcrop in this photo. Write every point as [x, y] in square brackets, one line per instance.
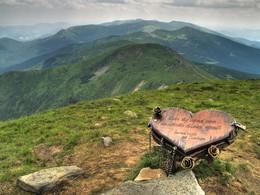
[182, 183]
[46, 179]
[147, 173]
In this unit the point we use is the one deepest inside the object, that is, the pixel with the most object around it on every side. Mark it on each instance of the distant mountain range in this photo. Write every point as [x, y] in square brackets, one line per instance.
[197, 44]
[96, 61]
[252, 34]
[31, 32]
[247, 42]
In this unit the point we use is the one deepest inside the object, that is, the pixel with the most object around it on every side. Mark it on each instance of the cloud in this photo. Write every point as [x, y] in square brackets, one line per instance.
[223, 4]
[202, 12]
[26, 3]
[111, 1]
[79, 4]
[60, 4]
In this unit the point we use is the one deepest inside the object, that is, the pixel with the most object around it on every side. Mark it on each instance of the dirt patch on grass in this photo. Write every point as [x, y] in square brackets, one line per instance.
[138, 87]
[108, 167]
[100, 72]
[212, 186]
[46, 154]
[105, 167]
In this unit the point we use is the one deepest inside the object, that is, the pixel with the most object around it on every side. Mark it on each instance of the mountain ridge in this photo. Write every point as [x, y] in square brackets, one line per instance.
[90, 33]
[116, 72]
[192, 43]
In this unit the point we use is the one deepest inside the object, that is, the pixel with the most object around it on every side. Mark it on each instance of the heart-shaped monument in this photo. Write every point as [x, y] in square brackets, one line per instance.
[189, 132]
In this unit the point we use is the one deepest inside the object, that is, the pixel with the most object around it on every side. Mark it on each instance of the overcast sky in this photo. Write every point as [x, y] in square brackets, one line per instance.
[230, 13]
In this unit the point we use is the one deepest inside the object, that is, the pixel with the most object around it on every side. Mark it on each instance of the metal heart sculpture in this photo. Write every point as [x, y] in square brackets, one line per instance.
[192, 132]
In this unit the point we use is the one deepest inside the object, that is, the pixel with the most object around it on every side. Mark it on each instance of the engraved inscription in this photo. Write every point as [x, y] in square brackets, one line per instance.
[189, 135]
[191, 131]
[198, 124]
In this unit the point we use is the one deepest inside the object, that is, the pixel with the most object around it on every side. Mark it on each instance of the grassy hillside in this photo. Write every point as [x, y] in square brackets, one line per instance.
[69, 54]
[227, 74]
[213, 49]
[202, 47]
[129, 68]
[72, 136]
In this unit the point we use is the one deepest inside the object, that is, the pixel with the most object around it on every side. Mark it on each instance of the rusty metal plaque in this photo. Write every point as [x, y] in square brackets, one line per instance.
[189, 132]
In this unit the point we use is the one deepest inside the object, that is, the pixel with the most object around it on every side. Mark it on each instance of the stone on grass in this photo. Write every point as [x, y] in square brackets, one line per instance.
[46, 179]
[107, 141]
[163, 86]
[131, 114]
[182, 183]
[147, 173]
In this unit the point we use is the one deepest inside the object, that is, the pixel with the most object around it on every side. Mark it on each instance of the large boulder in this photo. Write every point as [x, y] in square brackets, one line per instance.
[182, 183]
[46, 179]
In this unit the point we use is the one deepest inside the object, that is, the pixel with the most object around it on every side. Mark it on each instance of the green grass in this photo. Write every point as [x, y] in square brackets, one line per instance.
[25, 143]
[224, 170]
[150, 28]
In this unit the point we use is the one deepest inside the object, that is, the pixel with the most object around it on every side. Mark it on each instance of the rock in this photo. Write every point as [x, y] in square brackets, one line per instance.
[107, 141]
[183, 183]
[104, 118]
[148, 173]
[46, 179]
[98, 125]
[131, 114]
[163, 86]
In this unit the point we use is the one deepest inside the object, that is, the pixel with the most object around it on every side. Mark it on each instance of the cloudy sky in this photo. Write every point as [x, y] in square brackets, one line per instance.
[230, 13]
